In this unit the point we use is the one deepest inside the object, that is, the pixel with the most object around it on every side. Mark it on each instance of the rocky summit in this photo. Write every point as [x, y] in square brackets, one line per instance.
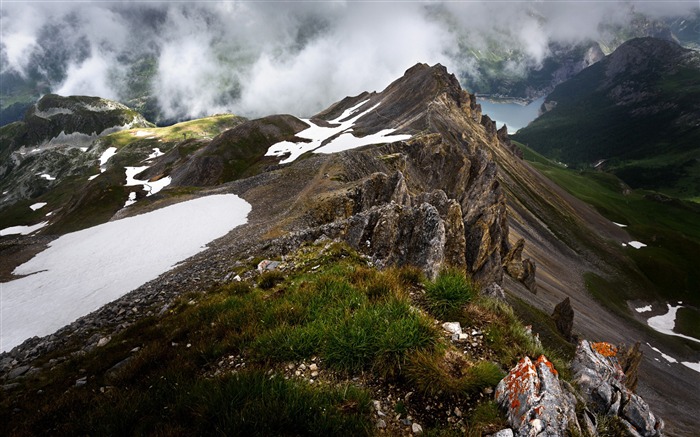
[358, 249]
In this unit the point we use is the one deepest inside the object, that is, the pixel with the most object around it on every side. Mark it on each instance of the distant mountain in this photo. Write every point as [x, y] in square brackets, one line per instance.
[636, 113]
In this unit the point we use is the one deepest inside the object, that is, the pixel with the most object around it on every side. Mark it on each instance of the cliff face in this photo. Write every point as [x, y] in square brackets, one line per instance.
[431, 200]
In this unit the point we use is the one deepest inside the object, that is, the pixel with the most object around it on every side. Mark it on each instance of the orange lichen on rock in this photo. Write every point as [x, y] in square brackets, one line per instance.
[605, 349]
[543, 360]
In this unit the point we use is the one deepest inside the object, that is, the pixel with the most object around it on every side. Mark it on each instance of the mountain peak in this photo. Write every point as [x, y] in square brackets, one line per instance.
[406, 103]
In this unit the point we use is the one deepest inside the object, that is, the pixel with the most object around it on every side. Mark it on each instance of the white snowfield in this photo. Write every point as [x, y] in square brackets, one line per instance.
[345, 141]
[23, 230]
[666, 322]
[37, 206]
[151, 187]
[84, 270]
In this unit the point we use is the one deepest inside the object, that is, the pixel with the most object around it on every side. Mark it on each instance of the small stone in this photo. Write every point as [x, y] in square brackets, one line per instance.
[381, 424]
[297, 373]
[504, 433]
[452, 327]
[458, 412]
[81, 382]
[417, 429]
[463, 337]
[406, 421]
[302, 366]
[290, 366]
[314, 374]
[377, 405]
[103, 341]
[313, 367]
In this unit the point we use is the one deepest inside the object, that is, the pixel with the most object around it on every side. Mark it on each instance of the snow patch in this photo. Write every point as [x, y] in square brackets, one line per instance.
[22, 230]
[619, 224]
[156, 153]
[151, 187]
[643, 309]
[37, 206]
[666, 322]
[320, 134]
[48, 214]
[111, 151]
[693, 366]
[93, 176]
[84, 149]
[131, 200]
[84, 270]
[637, 244]
[47, 176]
[666, 357]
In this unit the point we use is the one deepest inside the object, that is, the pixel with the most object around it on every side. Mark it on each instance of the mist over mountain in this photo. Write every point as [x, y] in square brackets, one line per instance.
[185, 60]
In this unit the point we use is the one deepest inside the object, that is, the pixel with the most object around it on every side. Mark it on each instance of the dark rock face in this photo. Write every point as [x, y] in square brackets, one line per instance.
[563, 317]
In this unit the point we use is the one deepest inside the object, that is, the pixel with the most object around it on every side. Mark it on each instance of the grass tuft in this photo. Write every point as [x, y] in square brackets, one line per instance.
[448, 293]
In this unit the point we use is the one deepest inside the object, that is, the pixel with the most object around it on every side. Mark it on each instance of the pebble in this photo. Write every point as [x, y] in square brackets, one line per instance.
[381, 424]
[417, 429]
[81, 382]
[313, 367]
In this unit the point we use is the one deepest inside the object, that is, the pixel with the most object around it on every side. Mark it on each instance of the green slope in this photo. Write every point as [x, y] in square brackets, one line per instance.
[638, 110]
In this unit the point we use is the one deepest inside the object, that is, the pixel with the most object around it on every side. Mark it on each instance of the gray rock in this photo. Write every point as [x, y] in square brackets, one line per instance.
[81, 382]
[494, 291]
[534, 400]
[452, 327]
[636, 411]
[503, 433]
[17, 372]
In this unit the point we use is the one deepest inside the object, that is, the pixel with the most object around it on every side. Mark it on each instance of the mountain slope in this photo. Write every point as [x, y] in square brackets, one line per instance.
[455, 193]
[636, 112]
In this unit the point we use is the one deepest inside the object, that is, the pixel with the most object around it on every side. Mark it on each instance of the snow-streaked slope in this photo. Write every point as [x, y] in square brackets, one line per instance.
[22, 230]
[345, 141]
[84, 270]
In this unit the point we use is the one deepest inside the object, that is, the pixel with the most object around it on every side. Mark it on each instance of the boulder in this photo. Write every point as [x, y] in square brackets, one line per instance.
[535, 401]
[601, 381]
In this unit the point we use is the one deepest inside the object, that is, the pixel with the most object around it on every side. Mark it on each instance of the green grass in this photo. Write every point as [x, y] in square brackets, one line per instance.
[670, 228]
[354, 321]
[448, 293]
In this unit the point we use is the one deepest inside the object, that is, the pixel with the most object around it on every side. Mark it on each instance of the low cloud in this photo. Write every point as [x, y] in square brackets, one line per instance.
[259, 58]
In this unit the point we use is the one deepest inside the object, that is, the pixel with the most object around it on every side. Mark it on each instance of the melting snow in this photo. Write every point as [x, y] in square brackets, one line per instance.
[156, 153]
[93, 176]
[670, 359]
[620, 225]
[23, 230]
[37, 206]
[111, 151]
[694, 366]
[84, 270]
[47, 176]
[131, 200]
[643, 309]
[666, 357]
[151, 187]
[636, 244]
[666, 322]
[83, 149]
[318, 134]
[143, 133]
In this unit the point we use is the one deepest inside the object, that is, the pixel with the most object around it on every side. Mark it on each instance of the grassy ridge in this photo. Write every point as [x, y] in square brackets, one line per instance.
[175, 374]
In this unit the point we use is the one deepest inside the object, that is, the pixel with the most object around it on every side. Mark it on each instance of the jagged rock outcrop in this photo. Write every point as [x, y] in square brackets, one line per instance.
[600, 378]
[521, 269]
[536, 403]
[563, 317]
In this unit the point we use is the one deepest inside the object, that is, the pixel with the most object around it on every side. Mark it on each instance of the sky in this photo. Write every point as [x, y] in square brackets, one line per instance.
[257, 58]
